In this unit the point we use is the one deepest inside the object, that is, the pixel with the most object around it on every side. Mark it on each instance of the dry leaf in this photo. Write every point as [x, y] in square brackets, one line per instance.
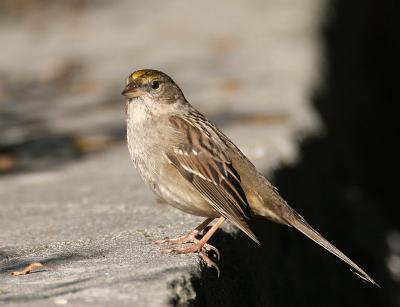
[7, 162]
[90, 144]
[28, 269]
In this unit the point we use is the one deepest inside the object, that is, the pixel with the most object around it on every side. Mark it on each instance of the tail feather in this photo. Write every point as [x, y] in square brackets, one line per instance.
[297, 221]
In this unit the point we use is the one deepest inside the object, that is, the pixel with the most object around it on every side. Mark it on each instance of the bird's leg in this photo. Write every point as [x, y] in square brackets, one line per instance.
[189, 237]
[200, 246]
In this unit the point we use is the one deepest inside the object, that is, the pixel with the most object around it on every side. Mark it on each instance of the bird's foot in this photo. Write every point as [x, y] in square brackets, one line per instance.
[187, 238]
[208, 247]
[196, 247]
[199, 248]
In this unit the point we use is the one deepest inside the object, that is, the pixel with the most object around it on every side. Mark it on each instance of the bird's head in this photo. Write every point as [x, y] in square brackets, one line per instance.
[151, 85]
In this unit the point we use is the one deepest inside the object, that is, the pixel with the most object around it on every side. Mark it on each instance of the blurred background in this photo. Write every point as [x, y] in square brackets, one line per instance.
[306, 88]
[64, 64]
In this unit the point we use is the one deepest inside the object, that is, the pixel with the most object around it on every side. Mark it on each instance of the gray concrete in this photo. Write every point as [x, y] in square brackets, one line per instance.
[251, 68]
[92, 224]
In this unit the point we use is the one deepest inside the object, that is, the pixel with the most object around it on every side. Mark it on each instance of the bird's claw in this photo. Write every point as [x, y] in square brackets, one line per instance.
[209, 262]
[208, 247]
[160, 241]
[188, 238]
[200, 250]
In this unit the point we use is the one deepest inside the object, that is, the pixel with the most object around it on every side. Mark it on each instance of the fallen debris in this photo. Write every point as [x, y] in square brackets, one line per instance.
[28, 269]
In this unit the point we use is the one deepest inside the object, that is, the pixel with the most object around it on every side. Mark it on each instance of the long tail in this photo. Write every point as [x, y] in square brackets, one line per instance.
[297, 221]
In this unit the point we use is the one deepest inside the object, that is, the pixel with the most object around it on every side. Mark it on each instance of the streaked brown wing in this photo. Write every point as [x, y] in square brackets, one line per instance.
[214, 177]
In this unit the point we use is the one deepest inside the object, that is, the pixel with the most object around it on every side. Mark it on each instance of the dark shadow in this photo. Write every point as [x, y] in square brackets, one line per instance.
[288, 270]
[345, 184]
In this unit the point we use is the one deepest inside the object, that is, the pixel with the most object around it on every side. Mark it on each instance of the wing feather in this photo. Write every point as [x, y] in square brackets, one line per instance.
[212, 174]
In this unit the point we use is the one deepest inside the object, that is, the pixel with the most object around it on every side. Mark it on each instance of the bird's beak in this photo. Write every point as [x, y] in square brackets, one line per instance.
[132, 90]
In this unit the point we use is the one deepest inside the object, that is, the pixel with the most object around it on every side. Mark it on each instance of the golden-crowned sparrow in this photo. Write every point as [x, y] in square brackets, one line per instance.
[194, 167]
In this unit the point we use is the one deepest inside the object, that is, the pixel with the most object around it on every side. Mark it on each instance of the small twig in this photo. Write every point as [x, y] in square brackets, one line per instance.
[28, 269]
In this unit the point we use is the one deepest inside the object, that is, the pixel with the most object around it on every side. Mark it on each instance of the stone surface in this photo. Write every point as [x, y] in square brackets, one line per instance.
[92, 223]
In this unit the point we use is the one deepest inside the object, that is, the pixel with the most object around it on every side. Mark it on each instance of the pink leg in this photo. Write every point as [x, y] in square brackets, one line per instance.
[189, 237]
[200, 246]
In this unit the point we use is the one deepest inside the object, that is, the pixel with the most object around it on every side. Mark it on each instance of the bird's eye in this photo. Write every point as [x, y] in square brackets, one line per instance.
[155, 85]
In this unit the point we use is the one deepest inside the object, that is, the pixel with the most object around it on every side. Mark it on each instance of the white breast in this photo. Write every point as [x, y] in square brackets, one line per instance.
[145, 134]
[142, 131]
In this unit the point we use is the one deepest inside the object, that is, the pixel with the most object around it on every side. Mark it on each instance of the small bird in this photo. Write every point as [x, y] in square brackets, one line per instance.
[193, 166]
